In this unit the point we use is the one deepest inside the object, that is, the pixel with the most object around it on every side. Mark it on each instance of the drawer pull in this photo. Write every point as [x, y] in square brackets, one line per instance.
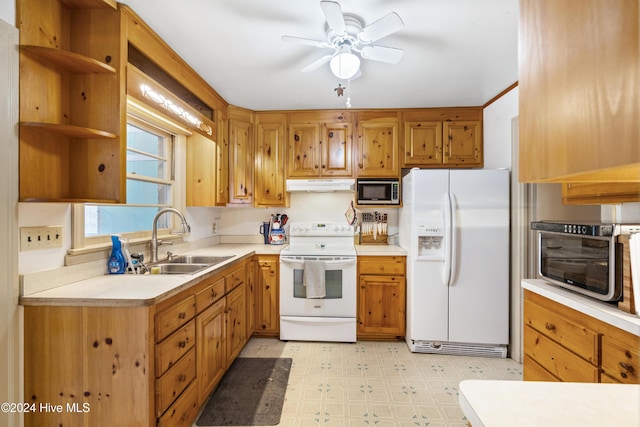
[182, 315]
[182, 344]
[182, 378]
[550, 326]
[626, 367]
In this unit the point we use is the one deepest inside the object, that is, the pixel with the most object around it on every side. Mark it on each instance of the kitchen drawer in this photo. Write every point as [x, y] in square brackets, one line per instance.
[174, 347]
[210, 294]
[534, 372]
[175, 316]
[556, 359]
[184, 411]
[620, 360]
[236, 277]
[174, 381]
[575, 337]
[394, 265]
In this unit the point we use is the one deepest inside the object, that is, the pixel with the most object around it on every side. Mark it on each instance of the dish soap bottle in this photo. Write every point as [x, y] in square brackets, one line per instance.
[116, 263]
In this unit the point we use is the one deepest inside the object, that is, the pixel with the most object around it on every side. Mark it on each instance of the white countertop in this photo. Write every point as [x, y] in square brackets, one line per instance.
[530, 403]
[606, 312]
[139, 290]
[120, 290]
[380, 250]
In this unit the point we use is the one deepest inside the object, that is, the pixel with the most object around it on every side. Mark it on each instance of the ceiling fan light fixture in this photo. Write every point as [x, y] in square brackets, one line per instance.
[345, 64]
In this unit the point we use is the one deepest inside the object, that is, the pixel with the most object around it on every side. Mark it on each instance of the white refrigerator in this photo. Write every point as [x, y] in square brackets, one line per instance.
[454, 225]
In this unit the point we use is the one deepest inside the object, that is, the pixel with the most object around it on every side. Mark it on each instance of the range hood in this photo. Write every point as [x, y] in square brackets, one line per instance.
[320, 185]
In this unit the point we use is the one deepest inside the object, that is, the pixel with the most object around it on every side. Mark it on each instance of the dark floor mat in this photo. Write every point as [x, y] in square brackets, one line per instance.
[250, 393]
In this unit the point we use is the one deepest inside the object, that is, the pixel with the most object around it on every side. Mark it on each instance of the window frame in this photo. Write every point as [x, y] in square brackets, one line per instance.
[148, 118]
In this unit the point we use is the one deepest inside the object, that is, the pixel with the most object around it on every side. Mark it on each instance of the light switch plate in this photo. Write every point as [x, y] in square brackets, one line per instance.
[38, 238]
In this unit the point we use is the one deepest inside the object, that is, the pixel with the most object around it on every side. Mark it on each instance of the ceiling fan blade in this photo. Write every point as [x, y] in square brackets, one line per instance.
[390, 55]
[317, 64]
[335, 19]
[384, 26]
[310, 42]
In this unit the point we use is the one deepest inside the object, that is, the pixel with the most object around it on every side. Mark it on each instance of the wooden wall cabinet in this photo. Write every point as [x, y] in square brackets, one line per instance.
[241, 156]
[270, 160]
[72, 109]
[442, 138]
[562, 344]
[381, 297]
[579, 109]
[267, 296]
[377, 145]
[320, 144]
[599, 193]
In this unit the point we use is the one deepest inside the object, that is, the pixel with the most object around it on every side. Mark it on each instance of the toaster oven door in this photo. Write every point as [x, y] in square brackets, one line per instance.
[586, 264]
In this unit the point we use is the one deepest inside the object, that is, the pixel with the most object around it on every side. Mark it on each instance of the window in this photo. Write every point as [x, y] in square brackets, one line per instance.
[151, 170]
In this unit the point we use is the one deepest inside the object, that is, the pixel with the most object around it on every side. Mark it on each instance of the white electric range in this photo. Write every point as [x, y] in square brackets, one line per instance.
[318, 283]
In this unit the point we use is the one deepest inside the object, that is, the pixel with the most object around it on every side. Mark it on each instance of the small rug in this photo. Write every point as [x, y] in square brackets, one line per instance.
[251, 393]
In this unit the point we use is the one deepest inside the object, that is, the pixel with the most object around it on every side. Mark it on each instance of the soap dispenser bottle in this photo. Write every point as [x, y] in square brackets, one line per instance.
[116, 263]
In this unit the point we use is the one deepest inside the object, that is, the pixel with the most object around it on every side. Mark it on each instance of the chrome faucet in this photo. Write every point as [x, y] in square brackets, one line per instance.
[186, 229]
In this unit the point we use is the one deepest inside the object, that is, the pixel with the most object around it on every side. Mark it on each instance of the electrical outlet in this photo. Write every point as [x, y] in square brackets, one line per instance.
[38, 238]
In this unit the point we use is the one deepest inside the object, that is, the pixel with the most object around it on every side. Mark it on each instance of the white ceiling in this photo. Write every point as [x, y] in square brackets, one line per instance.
[457, 52]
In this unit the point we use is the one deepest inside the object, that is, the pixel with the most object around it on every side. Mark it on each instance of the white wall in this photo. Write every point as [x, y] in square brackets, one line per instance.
[10, 330]
[8, 11]
[497, 130]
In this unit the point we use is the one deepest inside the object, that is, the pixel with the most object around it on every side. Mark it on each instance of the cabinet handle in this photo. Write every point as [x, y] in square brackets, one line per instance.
[550, 326]
[316, 166]
[627, 367]
[182, 344]
[324, 166]
[182, 378]
[182, 315]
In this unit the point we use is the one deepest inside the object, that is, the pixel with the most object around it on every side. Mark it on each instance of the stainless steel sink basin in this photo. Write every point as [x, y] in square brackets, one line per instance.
[199, 259]
[177, 268]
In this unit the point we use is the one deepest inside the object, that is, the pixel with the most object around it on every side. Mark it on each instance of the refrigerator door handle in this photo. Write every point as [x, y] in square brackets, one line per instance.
[446, 268]
[452, 245]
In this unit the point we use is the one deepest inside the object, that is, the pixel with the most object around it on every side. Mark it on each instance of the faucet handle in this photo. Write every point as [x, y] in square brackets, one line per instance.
[169, 256]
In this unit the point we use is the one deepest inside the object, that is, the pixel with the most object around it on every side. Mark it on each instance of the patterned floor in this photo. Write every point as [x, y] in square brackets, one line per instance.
[375, 383]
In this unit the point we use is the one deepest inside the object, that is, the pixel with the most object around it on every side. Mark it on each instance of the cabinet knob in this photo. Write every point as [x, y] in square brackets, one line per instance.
[182, 344]
[182, 315]
[324, 166]
[316, 166]
[182, 378]
[550, 326]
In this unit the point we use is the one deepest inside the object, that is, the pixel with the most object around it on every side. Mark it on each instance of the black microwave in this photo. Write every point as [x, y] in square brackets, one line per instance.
[378, 191]
[585, 258]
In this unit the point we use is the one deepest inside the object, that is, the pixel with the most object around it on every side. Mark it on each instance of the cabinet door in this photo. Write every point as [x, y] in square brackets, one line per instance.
[222, 161]
[270, 161]
[378, 149]
[236, 315]
[463, 143]
[422, 143]
[578, 80]
[381, 305]
[201, 171]
[252, 286]
[304, 151]
[241, 157]
[211, 354]
[336, 149]
[267, 312]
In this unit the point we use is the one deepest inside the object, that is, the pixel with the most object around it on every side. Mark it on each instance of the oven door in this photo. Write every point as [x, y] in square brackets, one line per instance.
[339, 282]
[585, 264]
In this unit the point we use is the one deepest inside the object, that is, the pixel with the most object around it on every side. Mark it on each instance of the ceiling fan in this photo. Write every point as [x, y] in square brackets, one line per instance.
[347, 34]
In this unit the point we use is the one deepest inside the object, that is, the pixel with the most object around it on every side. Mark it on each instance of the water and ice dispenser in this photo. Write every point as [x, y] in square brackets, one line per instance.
[430, 241]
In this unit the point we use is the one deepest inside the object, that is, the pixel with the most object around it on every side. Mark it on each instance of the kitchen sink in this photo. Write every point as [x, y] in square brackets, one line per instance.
[177, 268]
[199, 259]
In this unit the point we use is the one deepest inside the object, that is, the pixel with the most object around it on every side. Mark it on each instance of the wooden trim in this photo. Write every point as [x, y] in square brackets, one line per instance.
[500, 95]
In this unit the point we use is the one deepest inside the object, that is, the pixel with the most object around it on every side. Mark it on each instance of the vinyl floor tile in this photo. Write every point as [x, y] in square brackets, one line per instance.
[371, 383]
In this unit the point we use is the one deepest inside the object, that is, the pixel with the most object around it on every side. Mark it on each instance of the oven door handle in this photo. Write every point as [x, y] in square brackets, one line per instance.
[332, 263]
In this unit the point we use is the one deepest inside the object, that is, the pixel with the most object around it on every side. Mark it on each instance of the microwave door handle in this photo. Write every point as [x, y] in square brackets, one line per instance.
[446, 268]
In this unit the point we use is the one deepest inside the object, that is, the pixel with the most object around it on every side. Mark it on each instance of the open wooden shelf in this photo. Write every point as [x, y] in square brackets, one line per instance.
[70, 130]
[70, 61]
